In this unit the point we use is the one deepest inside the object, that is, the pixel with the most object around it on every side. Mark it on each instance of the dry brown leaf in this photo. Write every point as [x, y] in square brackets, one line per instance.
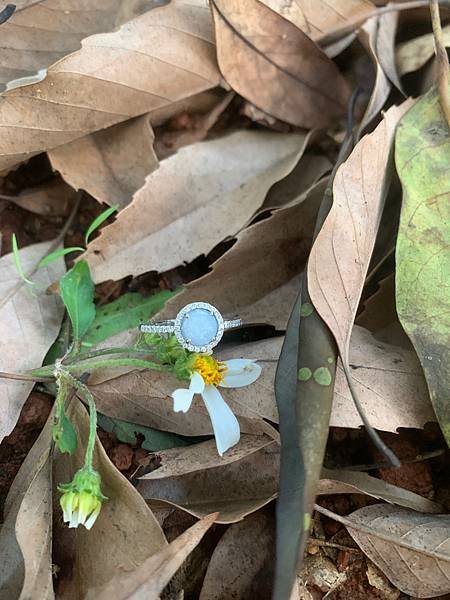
[54, 198]
[173, 57]
[26, 534]
[274, 65]
[241, 566]
[338, 481]
[385, 45]
[150, 578]
[321, 18]
[39, 33]
[126, 527]
[234, 490]
[413, 54]
[265, 256]
[198, 197]
[369, 37]
[30, 323]
[379, 309]
[111, 164]
[412, 550]
[144, 397]
[340, 257]
[308, 171]
[198, 457]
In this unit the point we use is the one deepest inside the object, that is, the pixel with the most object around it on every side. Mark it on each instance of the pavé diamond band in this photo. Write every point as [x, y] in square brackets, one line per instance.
[199, 326]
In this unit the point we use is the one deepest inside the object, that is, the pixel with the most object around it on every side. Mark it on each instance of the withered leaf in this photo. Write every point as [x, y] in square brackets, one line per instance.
[26, 534]
[241, 566]
[30, 323]
[341, 253]
[197, 197]
[234, 490]
[412, 549]
[274, 65]
[173, 57]
[126, 527]
[39, 33]
[148, 580]
[111, 164]
[322, 18]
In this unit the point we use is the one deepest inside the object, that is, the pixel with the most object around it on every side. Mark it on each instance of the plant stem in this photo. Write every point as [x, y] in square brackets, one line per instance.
[90, 365]
[23, 377]
[104, 351]
[89, 398]
[442, 60]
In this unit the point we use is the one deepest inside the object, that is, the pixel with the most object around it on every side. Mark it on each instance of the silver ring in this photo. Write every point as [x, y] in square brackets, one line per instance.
[198, 326]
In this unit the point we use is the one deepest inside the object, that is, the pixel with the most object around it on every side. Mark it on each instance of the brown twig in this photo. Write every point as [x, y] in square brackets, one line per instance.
[442, 60]
[351, 26]
[326, 544]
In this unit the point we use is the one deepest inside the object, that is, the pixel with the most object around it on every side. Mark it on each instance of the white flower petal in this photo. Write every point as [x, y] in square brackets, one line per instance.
[197, 384]
[74, 520]
[240, 372]
[225, 425]
[182, 398]
[91, 520]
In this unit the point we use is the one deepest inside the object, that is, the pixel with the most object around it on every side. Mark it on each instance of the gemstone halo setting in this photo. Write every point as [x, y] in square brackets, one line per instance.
[199, 327]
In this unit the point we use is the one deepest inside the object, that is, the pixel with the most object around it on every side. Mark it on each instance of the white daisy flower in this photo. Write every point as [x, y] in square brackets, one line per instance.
[207, 375]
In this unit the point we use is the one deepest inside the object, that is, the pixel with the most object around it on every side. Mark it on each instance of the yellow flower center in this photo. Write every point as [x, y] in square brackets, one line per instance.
[211, 370]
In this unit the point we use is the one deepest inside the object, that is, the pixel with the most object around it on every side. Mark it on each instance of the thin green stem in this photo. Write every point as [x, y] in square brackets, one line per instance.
[89, 398]
[90, 365]
[105, 351]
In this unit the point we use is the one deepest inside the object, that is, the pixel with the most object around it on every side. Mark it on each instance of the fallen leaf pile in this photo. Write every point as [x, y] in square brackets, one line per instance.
[287, 162]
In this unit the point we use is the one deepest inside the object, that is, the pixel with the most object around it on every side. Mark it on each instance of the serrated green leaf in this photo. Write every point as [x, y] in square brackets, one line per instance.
[77, 293]
[98, 221]
[57, 253]
[154, 439]
[126, 312]
[422, 156]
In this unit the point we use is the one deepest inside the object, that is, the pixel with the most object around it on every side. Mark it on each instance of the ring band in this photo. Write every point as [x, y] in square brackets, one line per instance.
[199, 326]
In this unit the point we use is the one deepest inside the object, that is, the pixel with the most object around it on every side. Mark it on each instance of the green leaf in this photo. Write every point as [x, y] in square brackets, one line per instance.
[154, 439]
[98, 221]
[304, 409]
[65, 435]
[126, 312]
[17, 261]
[57, 253]
[77, 292]
[422, 156]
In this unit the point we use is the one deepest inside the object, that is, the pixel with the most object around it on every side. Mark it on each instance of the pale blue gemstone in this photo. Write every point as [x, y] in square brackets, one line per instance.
[199, 326]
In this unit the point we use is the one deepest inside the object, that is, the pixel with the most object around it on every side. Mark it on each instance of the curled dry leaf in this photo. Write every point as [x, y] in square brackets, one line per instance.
[322, 18]
[39, 33]
[241, 566]
[30, 321]
[413, 54]
[126, 527]
[234, 490]
[265, 256]
[412, 550]
[173, 57]
[274, 65]
[340, 257]
[111, 164]
[54, 199]
[26, 534]
[198, 457]
[150, 578]
[422, 252]
[369, 37]
[198, 197]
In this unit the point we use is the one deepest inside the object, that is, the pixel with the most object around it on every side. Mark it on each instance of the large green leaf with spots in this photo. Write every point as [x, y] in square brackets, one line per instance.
[422, 155]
